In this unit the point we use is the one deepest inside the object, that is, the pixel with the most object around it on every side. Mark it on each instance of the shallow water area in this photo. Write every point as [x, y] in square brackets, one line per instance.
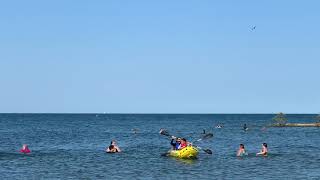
[71, 146]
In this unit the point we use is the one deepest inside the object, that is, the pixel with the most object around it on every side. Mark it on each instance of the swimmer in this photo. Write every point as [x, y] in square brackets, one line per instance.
[135, 131]
[264, 150]
[25, 149]
[113, 148]
[245, 128]
[242, 151]
[218, 126]
[184, 143]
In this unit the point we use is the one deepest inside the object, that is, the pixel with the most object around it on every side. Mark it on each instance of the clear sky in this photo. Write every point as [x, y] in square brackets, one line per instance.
[163, 56]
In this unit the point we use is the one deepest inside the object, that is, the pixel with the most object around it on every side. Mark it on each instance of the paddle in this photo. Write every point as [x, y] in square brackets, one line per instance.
[208, 151]
[207, 136]
[164, 132]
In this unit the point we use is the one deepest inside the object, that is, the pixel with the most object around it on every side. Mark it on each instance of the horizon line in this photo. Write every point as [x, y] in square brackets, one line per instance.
[159, 113]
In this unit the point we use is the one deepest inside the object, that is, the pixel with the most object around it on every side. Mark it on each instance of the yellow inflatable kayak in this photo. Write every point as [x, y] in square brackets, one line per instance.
[189, 152]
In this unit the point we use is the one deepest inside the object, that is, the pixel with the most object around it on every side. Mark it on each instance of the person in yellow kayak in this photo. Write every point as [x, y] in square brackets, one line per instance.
[184, 143]
[175, 142]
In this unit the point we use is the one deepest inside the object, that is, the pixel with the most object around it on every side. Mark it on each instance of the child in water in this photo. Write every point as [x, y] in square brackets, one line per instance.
[264, 150]
[25, 149]
[242, 151]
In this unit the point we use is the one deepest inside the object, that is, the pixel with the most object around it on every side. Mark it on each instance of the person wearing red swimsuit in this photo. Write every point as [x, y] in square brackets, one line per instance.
[25, 149]
[184, 143]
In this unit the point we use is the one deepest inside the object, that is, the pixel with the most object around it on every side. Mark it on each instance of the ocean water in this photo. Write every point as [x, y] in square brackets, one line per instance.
[71, 146]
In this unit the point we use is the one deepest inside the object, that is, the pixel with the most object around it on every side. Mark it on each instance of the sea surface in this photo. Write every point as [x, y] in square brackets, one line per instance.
[71, 146]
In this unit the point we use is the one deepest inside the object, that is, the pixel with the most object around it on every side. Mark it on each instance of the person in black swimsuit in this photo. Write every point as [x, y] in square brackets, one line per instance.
[113, 148]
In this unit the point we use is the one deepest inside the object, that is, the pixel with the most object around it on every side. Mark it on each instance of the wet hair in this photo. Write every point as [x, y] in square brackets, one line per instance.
[111, 147]
[265, 144]
[241, 145]
[183, 139]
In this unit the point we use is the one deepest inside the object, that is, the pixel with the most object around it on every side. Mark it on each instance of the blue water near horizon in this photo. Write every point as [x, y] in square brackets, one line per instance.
[71, 146]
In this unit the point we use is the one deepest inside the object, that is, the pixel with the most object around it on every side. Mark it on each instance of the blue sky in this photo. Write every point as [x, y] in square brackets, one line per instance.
[160, 56]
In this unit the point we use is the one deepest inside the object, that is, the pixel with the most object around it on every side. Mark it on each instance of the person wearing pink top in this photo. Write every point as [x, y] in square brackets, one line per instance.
[184, 143]
[25, 149]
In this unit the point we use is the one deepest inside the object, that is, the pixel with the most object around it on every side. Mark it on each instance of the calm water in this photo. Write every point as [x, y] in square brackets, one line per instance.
[71, 146]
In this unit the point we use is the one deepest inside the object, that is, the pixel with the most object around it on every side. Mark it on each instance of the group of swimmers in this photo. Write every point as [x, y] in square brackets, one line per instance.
[176, 143]
[112, 148]
[263, 152]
